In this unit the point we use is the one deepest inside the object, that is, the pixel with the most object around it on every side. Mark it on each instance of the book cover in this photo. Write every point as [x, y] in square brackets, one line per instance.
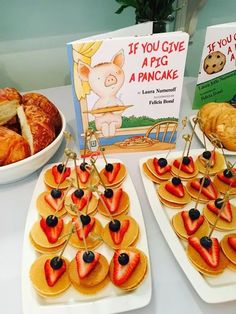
[128, 88]
[217, 74]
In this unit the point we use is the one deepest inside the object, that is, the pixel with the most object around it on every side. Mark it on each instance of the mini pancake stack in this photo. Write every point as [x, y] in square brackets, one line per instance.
[216, 162]
[157, 170]
[226, 180]
[58, 175]
[83, 173]
[184, 167]
[208, 191]
[228, 245]
[113, 174]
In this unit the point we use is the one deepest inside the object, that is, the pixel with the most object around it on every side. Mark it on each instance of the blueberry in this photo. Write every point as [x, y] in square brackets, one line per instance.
[162, 162]
[206, 154]
[60, 168]
[219, 203]
[108, 193]
[123, 259]
[88, 257]
[51, 221]
[186, 160]
[228, 173]
[114, 225]
[56, 193]
[194, 214]
[56, 262]
[83, 166]
[109, 167]
[85, 219]
[176, 181]
[79, 193]
[206, 182]
[206, 242]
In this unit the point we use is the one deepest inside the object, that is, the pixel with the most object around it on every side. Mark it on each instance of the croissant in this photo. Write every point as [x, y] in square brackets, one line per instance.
[13, 147]
[10, 99]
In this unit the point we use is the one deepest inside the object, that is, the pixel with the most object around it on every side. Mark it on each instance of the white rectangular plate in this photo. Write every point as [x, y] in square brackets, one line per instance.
[110, 299]
[216, 289]
[209, 146]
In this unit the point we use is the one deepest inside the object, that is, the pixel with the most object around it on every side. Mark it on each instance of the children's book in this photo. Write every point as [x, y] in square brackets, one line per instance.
[217, 74]
[127, 88]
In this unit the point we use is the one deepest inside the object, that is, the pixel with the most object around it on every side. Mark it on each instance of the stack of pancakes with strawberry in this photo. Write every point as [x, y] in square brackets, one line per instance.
[215, 159]
[157, 170]
[226, 180]
[58, 175]
[228, 245]
[84, 175]
[184, 167]
[113, 174]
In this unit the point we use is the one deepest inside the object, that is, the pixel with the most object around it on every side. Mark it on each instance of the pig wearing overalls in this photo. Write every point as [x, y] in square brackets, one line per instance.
[105, 80]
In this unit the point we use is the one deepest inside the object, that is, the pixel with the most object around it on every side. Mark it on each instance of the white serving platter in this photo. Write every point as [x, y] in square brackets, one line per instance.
[216, 289]
[109, 300]
[209, 145]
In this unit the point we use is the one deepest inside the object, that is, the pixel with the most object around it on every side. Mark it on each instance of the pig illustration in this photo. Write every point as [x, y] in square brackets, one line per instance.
[105, 80]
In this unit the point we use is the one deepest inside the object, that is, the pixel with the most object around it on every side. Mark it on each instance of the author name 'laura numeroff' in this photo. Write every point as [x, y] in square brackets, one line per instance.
[154, 91]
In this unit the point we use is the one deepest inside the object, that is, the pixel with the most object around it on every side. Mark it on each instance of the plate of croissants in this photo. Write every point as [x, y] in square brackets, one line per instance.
[31, 131]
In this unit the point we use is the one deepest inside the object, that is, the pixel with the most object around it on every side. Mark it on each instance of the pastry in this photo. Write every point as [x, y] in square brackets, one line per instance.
[128, 268]
[215, 160]
[214, 62]
[190, 223]
[187, 170]
[49, 275]
[13, 147]
[91, 231]
[225, 180]
[208, 191]
[158, 168]
[121, 233]
[228, 245]
[115, 201]
[88, 272]
[226, 128]
[227, 218]
[58, 175]
[10, 99]
[49, 202]
[113, 174]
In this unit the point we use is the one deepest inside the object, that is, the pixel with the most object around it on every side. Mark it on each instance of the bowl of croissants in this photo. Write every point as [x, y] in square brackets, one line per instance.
[31, 131]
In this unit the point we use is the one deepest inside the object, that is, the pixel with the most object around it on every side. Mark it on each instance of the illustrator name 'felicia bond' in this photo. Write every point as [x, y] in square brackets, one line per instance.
[159, 102]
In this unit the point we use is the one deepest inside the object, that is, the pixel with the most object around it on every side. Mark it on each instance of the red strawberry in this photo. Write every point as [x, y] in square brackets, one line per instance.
[123, 272]
[232, 242]
[190, 225]
[160, 170]
[60, 177]
[230, 181]
[117, 236]
[211, 256]
[83, 174]
[226, 214]
[86, 229]
[212, 159]
[81, 202]
[54, 202]
[84, 268]
[190, 168]
[177, 190]
[53, 275]
[111, 175]
[210, 192]
[113, 202]
[52, 233]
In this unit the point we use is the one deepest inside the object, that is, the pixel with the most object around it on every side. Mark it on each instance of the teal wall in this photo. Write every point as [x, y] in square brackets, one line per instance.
[33, 35]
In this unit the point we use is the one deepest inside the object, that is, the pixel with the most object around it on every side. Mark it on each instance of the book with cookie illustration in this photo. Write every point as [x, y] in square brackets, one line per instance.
[217, 74]
[127, 87]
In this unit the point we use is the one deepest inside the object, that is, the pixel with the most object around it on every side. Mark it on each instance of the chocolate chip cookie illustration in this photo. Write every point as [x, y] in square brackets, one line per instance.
[214, 62]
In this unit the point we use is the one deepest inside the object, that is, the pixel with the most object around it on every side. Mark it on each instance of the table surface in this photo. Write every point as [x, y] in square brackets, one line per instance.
[172, 292]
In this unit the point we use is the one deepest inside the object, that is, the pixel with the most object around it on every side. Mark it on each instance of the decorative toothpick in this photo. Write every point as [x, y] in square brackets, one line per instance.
[195, 121]
[186, 137]
[202, 183]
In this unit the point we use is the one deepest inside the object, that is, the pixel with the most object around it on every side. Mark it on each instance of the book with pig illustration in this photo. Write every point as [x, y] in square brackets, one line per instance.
[127, 87]
[217, 73]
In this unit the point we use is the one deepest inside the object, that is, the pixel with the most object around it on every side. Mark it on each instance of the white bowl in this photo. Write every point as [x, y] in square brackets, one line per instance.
[24, 167]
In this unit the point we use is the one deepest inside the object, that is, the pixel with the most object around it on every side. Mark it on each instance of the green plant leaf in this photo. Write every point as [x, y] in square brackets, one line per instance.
[121, 9]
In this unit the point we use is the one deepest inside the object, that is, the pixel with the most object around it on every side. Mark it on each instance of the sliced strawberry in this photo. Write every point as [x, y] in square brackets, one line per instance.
[177, 190]
[111, 175]
[86, 229]
[60, 177]
[53, 275]
[160, 170]
[123, 272]
[113, 202]
[191, 226]
[84, 268]
[190, 168]
[82, 174]
[212, 159]
[232, 242]
[81, 202]
[229, 181]
[52, 233]
[54, 202]
[210, 192]
[212, 255]
[226, 213]
[117, 236]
